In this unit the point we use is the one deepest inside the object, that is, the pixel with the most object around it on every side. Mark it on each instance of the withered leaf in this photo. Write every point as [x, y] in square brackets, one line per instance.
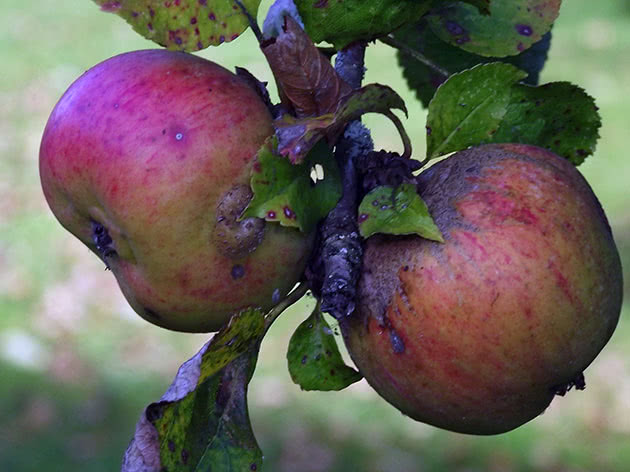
[305, 77]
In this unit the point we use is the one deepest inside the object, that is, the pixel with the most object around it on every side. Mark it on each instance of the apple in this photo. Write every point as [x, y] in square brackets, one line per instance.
[146, 159]
[478, 334]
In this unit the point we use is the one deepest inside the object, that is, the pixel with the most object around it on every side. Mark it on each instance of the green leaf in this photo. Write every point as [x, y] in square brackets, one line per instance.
[469, 107]
[296, 136]
[185, 25]
[285, 193]
[558, 116]
[482, 5]
[314, 359]
[202, 421]
[341, 23]
[396, 210]
[424, 80]
[512, 26]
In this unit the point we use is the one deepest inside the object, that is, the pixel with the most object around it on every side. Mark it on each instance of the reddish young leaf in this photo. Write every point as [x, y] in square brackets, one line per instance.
[305, 77]
[296, 137]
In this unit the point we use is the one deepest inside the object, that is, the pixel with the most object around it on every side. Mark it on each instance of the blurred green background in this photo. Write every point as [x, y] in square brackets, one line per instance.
[77, 365]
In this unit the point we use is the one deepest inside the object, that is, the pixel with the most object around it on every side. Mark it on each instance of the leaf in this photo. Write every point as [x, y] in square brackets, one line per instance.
[285, 193]
[482, 5]
[202, 418]
[396, 210]
[511, 28]
[558, 116]
[424, 81]
[341, 23]
[297, 136]
[469, 107]
[305, 77]
[314, 359]
[185, 25]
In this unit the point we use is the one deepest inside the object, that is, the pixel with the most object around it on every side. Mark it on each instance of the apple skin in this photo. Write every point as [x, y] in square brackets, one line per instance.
[157, 147]
[475, 335]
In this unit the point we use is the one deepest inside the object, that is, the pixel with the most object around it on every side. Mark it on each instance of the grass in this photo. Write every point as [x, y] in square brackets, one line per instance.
[77, 365]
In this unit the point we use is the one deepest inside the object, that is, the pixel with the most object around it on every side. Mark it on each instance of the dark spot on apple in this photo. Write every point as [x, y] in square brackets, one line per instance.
[212, 17]
[397, 343]
[363, 217]
[193, 21]
[429, 130]
[151, 314]
[524, 30]
[332, 372]
[185, 456]
[253, 467]
[238, 271]
[171, 445]
[304, 359]
[203, 2]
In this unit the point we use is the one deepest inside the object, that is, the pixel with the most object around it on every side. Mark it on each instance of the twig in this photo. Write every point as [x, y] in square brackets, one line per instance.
[252, 22]
[402, 47]
[340, 253]
[407, 149]
[289, 300]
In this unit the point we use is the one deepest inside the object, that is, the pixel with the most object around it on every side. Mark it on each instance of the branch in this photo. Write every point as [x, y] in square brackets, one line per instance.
[340, 253]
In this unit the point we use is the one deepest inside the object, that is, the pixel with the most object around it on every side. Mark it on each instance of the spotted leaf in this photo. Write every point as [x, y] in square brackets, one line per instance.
[314, 360]
[202, 421]
[185, 25]
[294, 195]
[396, 210]
[512, 26]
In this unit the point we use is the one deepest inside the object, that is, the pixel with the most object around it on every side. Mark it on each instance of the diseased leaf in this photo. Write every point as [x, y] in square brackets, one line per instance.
[511, 28]
[341, 23]
[396, 210]
[202, 418]
[424, 81]
[185, 25]
[314, 359]
[305, 77]
[558, 116]
[469, 107]
[285, 193]
[297, 136]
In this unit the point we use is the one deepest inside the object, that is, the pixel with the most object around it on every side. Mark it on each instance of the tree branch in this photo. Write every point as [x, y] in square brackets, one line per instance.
[340, 253]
